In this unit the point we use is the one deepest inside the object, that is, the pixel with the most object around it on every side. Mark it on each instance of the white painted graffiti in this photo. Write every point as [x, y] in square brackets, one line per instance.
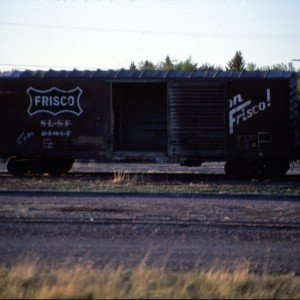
[54, 101]
[24, 136]
[240, 110]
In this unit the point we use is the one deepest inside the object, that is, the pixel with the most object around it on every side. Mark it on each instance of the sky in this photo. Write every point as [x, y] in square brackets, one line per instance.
[110, 34]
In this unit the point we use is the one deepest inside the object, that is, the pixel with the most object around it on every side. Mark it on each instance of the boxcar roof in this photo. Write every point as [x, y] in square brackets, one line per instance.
[147, 74]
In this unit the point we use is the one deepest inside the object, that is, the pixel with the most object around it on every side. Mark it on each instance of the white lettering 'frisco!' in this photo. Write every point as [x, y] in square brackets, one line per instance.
[240, 114]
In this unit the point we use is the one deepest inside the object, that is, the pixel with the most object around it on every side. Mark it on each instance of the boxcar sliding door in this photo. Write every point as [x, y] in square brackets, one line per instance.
[197, 119]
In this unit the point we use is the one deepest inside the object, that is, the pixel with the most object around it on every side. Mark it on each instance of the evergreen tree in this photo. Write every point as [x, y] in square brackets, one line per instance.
[166, 65]
[186, 65]
[132, 66]
[237, 62]
[251, 67]
[209, 67]
[146, 65]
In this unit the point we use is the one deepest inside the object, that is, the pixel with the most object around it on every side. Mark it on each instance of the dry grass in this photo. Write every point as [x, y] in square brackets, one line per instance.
[31, 280]
[126, 182]
[124, 178]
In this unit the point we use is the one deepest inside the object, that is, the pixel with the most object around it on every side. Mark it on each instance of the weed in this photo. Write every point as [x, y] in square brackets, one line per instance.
[127, 182]
[32, 280]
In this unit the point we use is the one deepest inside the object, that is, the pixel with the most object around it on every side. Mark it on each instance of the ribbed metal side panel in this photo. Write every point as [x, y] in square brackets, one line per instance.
[196, 120]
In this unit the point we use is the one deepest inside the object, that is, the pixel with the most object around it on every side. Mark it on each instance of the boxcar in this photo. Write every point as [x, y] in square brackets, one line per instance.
[247, 119]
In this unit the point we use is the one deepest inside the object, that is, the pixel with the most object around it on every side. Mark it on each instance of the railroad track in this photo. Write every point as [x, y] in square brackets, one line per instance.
[156, 221]
[191, 229]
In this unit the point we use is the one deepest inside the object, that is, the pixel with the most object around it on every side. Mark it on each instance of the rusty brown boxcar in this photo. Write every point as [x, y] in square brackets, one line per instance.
[247, 119]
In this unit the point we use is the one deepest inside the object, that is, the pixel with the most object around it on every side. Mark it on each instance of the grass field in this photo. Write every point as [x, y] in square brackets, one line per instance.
[29, 280]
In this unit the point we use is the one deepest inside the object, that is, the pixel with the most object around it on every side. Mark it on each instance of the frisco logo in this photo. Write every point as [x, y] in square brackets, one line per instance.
[54, 101]
[241, 110]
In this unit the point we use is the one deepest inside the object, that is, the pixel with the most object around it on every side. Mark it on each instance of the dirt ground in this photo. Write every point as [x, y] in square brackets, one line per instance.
[175, 231]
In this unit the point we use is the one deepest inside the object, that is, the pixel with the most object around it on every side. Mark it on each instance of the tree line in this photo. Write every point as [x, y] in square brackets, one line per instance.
[237, 63]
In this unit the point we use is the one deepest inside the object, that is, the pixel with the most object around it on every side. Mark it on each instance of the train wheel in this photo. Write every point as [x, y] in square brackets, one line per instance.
[283, 167]
[56, 167]
[16, 166]
[278, 168]
[67, 165]
[257, 169]
[20, 166]
[237, 168]
[268, 168]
